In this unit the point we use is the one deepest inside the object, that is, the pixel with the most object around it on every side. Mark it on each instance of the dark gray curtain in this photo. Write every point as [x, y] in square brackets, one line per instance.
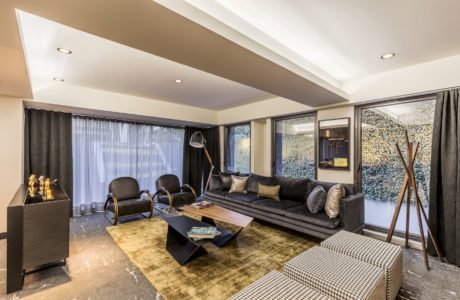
[48, 146]
[444, 215]
[196, 167]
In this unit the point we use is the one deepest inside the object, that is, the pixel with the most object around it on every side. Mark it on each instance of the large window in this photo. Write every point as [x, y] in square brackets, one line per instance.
[238, 149]
[104, 150]
[382, 173]
[294, 145]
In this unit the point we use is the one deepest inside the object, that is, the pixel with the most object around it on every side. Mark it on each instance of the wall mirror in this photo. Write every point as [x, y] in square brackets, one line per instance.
[334, 144]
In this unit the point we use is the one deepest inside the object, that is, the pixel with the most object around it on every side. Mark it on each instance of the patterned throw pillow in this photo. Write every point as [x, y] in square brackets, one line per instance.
[317, 199]
[270, 192]
[239, 184]
[334, 195]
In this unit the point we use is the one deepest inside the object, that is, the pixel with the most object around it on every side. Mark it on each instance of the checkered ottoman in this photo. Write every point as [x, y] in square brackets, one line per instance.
[378, 253]
[337, 275]
[275, 286]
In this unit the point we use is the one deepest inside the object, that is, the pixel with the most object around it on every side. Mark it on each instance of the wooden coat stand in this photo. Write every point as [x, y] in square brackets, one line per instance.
[409, 187]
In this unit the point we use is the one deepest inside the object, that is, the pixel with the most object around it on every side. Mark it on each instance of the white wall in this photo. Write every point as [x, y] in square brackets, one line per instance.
[261, 132]
[335, 175]
[258, 146]
[86, 98]
[430, 76]
[11, 162]
[260, 110]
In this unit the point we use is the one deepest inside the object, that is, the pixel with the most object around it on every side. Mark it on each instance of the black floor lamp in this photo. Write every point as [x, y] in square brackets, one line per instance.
[197, 140]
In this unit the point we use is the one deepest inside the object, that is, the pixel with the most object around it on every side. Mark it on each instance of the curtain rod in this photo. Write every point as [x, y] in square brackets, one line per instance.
[126, 120]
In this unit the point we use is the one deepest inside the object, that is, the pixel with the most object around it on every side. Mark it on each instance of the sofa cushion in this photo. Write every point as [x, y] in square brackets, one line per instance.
[241, 198]
[277, 207]
[215, 182]
[317, 199]
[334, 195]
[302, 213]
[239, 184]
[226, 179]
[217, 194]
[269, 191]
[350, 189]
[296, 189]
[255, 179]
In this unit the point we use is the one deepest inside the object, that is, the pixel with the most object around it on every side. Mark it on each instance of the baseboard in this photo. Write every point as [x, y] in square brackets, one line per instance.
[2, 235]
[396, 240]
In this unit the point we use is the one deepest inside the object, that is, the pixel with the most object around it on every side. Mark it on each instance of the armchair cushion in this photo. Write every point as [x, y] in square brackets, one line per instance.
[131, 207]
[170, 182]
[179, 199]
[124, 188]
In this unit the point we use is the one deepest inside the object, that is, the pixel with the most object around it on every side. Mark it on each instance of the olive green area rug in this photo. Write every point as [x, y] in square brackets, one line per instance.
[258, 249]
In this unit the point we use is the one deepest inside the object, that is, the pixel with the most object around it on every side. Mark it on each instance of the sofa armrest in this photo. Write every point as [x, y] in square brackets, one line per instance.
[352, 212]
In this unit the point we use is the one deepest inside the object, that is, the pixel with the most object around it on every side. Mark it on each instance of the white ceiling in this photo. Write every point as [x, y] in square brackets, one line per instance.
[342, 40]
[102, 64]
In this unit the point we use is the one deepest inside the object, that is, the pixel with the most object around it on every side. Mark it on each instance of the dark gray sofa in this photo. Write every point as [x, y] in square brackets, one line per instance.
[291, 211]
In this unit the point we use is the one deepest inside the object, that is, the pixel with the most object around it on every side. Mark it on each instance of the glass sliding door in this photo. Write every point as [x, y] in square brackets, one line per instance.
[238, 150]
[294, 146]
[382, 173]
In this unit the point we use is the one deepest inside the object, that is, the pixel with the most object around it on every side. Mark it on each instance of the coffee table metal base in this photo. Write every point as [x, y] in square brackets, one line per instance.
[226, 235]
[181, 248]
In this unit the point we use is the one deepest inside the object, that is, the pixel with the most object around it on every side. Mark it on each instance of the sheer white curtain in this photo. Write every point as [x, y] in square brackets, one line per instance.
[105, 149]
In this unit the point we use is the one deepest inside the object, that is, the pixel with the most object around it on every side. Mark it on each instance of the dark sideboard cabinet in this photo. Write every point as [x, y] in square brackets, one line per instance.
[37, 233]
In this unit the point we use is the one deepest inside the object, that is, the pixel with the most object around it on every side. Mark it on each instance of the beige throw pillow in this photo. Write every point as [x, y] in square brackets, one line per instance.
[270, 192]
[334, 195]
[239, 184]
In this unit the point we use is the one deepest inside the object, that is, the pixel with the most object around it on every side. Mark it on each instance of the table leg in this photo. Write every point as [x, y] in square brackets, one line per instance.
[226, 235]
[181, 248]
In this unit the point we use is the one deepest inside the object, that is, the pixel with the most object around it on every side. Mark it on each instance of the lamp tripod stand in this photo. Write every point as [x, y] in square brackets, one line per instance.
[197, 140]
[409, 187]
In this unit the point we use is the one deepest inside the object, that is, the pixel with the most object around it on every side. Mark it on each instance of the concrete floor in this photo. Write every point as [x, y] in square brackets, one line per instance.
[98, 269]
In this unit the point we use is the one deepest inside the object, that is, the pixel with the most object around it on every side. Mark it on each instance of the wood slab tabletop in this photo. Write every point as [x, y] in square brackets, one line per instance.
[221, 214]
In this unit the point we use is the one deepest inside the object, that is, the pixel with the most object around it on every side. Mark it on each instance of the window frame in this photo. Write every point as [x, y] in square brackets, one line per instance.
[358, 149]
[226, 143]
[313, 114]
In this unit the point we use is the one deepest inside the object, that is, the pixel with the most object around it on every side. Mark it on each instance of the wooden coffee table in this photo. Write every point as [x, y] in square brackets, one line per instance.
[215, 212]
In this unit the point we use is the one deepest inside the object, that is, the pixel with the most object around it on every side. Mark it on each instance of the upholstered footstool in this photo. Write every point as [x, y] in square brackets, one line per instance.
[387, 256]
[274, 286]
[337, 275]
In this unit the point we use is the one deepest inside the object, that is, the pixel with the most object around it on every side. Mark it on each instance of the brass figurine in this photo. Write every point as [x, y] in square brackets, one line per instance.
[32, 180]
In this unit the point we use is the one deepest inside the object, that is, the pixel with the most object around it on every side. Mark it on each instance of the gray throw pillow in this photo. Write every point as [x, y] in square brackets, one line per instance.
[226, 180]
[317, 199]
[215, 183]
[334, 195]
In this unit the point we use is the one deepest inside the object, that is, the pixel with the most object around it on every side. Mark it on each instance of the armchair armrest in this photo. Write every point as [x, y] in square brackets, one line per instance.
[109, 197]
[168, 194]
[187, 186]
[352, 212]
[147, 192]
[113, 198]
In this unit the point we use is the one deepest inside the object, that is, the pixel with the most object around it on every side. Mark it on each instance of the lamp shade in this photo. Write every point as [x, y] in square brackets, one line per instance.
[197, 140]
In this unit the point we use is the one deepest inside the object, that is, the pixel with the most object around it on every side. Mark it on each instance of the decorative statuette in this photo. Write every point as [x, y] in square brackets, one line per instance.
[32, 180]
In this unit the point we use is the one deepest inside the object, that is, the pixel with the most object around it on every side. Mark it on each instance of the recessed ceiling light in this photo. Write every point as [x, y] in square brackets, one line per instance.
[64, 50]
[387, 55]
[58, 79]
[178, 81]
